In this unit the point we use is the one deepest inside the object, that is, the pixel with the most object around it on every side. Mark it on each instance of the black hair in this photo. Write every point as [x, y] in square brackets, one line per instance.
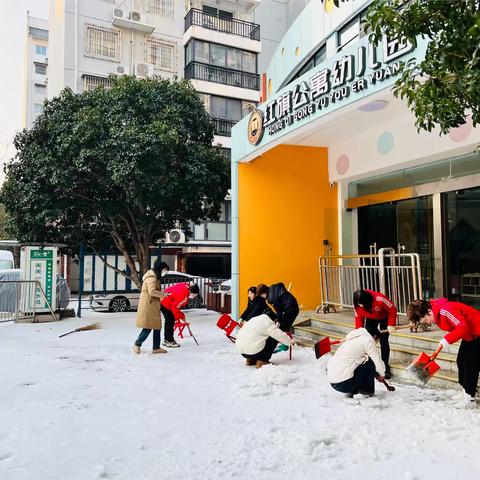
[194, 288]
[362, 297]
[158, 266]
[261, 289]
[253, 290]
[417, 310]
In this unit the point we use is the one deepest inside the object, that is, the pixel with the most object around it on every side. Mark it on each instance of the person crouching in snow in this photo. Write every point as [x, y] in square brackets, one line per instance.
[178, 296]
[355, 365]
[463, 323]
[379, 311]
[258, 338]
[285, 305]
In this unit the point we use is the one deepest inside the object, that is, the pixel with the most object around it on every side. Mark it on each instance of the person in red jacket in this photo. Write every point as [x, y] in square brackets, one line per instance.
[177, 298]
[462, 322]
[374, 310]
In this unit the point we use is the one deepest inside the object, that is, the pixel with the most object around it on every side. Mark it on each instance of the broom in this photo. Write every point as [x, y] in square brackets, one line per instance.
[93, 326]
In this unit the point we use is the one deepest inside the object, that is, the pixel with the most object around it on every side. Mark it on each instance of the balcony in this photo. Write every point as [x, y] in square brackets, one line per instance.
[217, 23]
[223, 127]
[225, 76]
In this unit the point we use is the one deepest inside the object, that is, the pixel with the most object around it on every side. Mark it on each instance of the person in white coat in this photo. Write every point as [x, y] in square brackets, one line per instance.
[258, 338]
[355, 365]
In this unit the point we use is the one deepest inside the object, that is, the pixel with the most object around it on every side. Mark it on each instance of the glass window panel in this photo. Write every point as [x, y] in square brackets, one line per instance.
[234, 109]
[249, 62]
[202, 52]
[218, 107]
[229, 232]
[199, 232]
[217, 55]
[234, 58]
[40, 50]
[348, 33]
[320, 56]
[217, 231]
[40, 89]
[40, 68]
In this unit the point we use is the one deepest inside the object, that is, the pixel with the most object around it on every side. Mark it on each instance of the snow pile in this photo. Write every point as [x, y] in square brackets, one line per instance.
[84, 407]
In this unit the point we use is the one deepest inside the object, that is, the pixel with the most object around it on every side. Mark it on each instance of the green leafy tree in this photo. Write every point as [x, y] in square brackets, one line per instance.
[116, 167]
[444, 87]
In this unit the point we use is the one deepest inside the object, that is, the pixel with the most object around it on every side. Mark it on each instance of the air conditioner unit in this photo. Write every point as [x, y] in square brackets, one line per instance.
[121, 70]
[175, 236]
[137, 17]
[118, 12]
[143, 70]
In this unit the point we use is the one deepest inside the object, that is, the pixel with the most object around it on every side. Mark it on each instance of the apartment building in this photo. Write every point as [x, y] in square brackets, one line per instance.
[36, 65]
[221, 46]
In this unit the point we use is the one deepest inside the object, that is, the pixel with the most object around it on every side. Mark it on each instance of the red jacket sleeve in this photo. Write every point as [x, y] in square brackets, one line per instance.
[460, 328]
[359, 318]
[179, 302]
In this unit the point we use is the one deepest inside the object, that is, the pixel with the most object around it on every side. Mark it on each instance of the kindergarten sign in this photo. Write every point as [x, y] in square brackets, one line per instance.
[348, 76]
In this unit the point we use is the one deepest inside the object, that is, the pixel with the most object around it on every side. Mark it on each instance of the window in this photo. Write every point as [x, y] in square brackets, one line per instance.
[217, 12]
[202, 52]
[41, 50]
[38, 108]
[102, 42]
[164, 8]
[90, 82]
[352, 31]
[40, 68]
[40, 89]
[160, 53]
[222, 56]
[318, 57]
[225, 108]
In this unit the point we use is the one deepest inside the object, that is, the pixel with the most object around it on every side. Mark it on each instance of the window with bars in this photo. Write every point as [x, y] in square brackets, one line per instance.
[40, 68]
[90, 82]
[164, 8]
[102, 42]
[40, 89]
[160, 53]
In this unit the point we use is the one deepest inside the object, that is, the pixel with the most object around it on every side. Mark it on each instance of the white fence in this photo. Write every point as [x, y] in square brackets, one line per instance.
[397, 275]
[19, 300]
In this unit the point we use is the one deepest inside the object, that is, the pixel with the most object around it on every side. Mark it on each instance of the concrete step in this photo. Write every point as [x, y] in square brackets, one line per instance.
[400, 355]
[423, 341]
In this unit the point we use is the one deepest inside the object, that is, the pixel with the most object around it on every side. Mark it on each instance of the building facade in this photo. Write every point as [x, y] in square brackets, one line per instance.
[36, 68]
[221, 46]
[336, 161]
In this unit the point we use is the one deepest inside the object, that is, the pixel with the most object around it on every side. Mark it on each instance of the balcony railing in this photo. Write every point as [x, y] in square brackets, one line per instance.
[218, 23]
[223, 127]
[226, 76]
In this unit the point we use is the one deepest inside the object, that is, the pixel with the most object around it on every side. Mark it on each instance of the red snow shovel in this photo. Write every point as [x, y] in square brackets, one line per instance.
[324, 346]
[423, 367]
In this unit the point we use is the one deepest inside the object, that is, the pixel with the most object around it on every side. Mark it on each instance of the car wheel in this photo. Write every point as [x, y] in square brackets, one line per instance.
[119, 304]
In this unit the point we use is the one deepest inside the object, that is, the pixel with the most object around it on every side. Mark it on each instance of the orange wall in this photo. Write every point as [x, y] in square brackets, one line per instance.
[286, 208]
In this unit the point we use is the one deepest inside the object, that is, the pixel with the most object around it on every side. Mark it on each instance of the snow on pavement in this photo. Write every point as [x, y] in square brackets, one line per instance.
[85, 407]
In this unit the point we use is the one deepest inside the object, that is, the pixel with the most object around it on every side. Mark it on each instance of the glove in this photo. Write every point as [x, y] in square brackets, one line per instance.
[391, 329]
[444, 343]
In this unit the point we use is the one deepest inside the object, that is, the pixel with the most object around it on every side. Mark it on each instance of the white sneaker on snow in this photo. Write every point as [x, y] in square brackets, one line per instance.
[466, 401]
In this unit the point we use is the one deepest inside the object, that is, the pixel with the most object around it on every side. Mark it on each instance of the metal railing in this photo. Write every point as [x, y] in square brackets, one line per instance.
[20, 300]
[223, 127]
[397, 275]
[225, 76]
[218, 23]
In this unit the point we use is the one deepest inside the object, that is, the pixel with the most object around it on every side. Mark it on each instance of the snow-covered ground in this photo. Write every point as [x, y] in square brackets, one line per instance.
[85, 407]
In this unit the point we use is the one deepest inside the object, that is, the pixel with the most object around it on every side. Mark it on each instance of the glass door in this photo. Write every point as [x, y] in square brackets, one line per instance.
[462, 245]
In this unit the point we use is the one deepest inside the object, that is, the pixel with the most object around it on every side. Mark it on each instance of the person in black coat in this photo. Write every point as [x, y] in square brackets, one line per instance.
[285, 305]
[258, 304]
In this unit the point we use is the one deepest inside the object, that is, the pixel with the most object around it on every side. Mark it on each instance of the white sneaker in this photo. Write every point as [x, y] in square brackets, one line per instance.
[467, 401]
[173, 344]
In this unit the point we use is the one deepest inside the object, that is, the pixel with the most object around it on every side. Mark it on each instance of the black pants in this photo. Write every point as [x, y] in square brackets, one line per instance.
[169, 324]
[468, 363]
[286, 322]
[143, 336]
[266, 353]
[372, 328]
[363, 380]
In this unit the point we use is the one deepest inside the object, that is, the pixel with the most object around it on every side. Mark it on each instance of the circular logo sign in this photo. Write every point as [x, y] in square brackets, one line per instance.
[255, 127]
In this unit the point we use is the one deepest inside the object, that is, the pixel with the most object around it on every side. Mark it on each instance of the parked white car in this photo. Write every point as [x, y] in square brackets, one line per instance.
[121, 302]
[226, 287]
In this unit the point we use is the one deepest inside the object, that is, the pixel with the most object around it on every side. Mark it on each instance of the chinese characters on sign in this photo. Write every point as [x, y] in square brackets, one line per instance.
[40, 265]
[328, 86]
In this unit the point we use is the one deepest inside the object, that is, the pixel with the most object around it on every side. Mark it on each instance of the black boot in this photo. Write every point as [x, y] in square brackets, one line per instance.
[388, 372]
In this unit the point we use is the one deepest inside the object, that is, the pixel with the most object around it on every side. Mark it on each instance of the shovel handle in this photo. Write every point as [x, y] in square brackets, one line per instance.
[400, 327]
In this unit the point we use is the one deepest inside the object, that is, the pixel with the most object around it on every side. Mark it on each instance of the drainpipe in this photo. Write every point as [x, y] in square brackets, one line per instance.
[75, 67]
